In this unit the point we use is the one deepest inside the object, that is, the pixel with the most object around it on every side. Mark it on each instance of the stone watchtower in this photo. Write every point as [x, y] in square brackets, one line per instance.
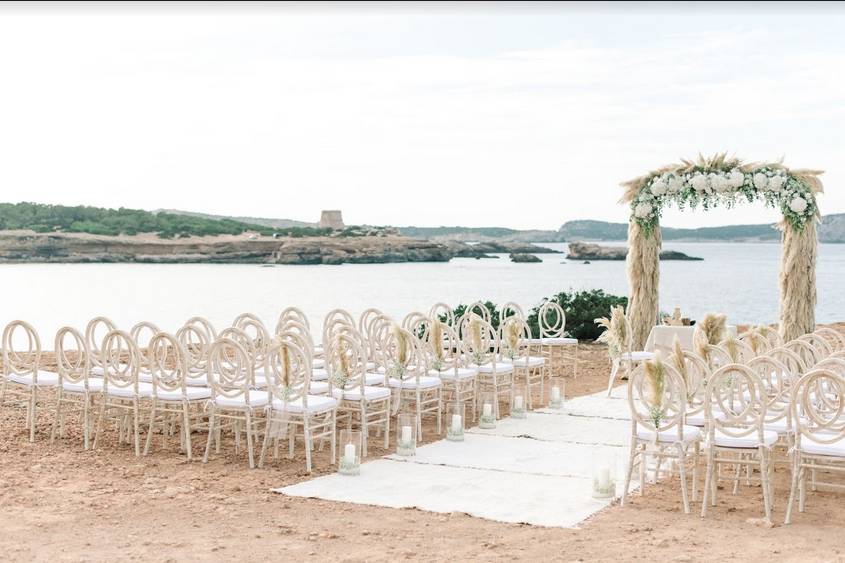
[331, 219]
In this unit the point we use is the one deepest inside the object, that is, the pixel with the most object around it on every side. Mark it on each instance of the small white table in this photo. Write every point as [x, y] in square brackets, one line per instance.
[662, 337]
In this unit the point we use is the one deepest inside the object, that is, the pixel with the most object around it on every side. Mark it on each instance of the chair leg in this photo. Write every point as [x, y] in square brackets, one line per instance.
[306, 435]
[152, 427]
[796, 469]
[696, 453]
[136, 415]
[632, 454]
[682, 473]
[266, 440]
[211, 435]
[249, 440]
[613, 370]
[708, 480]
[334, 437]
[764, 479]
[186, 429]
[33, 402]
[86, 422]
[55, 428]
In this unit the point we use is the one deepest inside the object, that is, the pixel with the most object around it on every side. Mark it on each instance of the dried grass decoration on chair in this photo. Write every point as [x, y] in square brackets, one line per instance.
[715, 181]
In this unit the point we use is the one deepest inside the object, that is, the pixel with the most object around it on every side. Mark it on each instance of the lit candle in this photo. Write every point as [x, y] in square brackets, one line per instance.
[457, 423]
[555, 393]
[604, 477]
[349, 453]
[487, 410]
[406, 434]
[517, 403]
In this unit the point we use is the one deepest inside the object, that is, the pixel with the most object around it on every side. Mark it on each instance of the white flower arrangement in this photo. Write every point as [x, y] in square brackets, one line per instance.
[723, 183]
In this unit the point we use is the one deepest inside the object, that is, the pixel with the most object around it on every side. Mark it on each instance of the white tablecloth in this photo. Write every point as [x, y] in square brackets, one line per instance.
[662, 337]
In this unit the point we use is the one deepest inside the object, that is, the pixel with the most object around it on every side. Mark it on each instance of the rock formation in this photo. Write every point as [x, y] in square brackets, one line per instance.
[590, 251]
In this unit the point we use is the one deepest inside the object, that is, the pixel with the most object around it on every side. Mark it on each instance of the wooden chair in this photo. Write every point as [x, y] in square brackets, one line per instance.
[77, 390]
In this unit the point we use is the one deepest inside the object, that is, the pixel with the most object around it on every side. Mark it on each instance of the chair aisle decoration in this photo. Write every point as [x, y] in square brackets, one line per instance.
[617, 336]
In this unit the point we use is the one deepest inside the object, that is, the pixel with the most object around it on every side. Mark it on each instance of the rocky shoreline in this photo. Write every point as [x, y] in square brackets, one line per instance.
[29, 246]
[590, 251]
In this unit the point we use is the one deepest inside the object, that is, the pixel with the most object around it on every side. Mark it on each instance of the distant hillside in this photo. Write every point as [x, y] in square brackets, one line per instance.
[43, 218]
[832, 229]
[600, 230]
[264, 221]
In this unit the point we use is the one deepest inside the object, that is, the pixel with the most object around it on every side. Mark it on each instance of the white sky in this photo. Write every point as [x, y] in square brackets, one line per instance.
[475, 115]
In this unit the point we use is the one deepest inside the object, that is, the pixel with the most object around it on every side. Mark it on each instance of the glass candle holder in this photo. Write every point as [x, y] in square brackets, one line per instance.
[488, 411]
[350, 452]
[519, 401]
[406, 435]
[557, 389]
[604, 473]
[455, 422]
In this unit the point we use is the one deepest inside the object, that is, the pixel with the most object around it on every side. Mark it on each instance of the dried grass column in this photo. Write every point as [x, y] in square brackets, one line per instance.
[644, 277]
[798, 280]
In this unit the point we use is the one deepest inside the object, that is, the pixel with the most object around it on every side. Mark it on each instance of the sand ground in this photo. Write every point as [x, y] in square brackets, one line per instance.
[60, 502]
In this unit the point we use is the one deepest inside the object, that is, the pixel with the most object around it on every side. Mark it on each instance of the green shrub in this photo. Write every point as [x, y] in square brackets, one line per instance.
[582, 308]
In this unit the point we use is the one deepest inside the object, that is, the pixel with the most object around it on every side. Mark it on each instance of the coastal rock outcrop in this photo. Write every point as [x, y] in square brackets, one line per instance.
[590, 251]
[522, 257]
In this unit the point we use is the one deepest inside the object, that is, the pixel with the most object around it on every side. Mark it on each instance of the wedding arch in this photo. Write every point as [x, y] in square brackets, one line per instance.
[723, 181]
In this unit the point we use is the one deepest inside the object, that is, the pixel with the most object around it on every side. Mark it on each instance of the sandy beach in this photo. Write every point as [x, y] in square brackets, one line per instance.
[63, 503]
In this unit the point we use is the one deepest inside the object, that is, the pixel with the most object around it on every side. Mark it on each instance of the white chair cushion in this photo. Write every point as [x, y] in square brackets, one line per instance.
[256, 399]
[449, 374]
[834, 449]
[374, 378]
[318, 388]
[637, 356]
[319, 374]
[318, 363]
[559, 341]
[533, 341]
[197, 380]
[778, 426]
[44, 378]
[95, 385]
[145, 376]
[691, 434]
[315, 404]
[530, 361]
[750, 441]
[354, 394]
[191, 393]
[144, 390]
[426, 382]
[501, 367]
[698, 418]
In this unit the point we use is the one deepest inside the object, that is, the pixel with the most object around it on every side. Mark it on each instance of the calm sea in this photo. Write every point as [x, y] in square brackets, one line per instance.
[738, 279]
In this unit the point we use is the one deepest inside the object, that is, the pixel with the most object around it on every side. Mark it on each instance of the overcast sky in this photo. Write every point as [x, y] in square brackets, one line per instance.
[424, 115]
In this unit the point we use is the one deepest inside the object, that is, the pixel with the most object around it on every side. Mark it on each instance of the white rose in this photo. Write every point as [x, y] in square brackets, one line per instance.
[658, 187]
[699, 183]
[776, 183]
[736, 179]
[798, 205]
[675, 184]
[760, 181]
[642, 210]
[719, 183]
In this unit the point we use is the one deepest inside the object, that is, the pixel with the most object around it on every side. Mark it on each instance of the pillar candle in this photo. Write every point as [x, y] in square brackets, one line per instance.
[349, 453]
[457, 423]
[406, 434]
[487, 410]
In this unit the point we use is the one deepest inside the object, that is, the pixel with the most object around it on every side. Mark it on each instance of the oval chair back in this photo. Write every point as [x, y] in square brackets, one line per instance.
[834, 338]
[120, 359]
[195, 343]
[481, 341]
[694, 372]
[21, 350]
[95, 334]
[806, 351]
[204, 325]
[168, 364]
[510, 309]
[443, 312]
[552, 320]
[290, 370]
[821, 345]
[736, 403]
[73, 362]
[346, 361]
[792, 361]
[230, 368]
[657, 399]
[292, 314]
[777, 384]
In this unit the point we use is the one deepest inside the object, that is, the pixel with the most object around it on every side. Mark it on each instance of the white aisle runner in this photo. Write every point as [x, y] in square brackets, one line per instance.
[535, 470]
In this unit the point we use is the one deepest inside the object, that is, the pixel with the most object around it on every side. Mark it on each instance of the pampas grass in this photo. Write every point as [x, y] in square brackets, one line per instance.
[732, 347]
[402, 344]
[711, 328]
[512, 333]
[680, 361]
[436, 339]
[616, 332]
[643, 264]
[655, 373]
[475, 338]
